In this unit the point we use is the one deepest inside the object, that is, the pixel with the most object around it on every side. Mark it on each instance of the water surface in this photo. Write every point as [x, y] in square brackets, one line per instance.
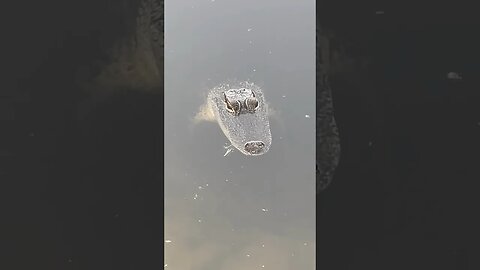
[240, 212]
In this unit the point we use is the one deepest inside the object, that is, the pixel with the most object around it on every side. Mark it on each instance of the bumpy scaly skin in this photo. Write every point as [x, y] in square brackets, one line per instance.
[328, 140]
[245, 127]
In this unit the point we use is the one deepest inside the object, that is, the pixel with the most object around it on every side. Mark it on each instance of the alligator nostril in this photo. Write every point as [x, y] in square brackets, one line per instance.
[255, 147]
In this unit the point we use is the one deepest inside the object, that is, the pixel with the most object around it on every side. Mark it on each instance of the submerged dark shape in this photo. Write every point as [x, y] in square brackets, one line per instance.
[242, 114]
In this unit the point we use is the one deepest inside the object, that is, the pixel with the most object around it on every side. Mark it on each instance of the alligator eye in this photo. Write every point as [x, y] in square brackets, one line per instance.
[251, 103]
[232, 107]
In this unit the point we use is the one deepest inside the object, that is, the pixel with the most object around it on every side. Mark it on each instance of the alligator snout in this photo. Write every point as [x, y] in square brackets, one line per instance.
[255, 148]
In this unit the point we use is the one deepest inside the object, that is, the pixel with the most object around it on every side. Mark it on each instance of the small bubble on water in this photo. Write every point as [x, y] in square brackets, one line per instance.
[284, 96]
[264, 209]
[249, 29]
[307, 116]
[168, 241]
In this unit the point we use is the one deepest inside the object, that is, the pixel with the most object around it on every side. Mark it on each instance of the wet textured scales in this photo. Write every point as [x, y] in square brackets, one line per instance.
[246, 131]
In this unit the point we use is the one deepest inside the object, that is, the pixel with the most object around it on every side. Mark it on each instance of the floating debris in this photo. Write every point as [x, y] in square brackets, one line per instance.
[229, 150]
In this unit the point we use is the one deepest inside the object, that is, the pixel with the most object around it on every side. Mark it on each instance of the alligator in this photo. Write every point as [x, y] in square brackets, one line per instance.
[241, 111]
